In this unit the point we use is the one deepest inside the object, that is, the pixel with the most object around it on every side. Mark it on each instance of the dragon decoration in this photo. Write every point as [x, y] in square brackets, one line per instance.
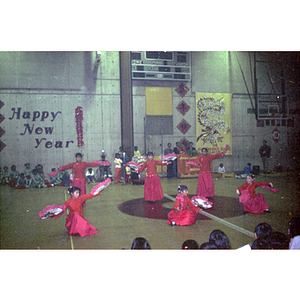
[210, 116]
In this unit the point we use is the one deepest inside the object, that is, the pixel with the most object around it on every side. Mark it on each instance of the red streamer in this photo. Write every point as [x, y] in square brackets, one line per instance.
[79, 119]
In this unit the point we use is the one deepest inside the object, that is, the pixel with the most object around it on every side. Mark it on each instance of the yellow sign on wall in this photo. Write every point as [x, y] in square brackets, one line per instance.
[213, 121]
[159, 101]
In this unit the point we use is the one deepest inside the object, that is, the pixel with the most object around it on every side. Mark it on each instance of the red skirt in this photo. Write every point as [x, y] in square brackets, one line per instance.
[257, 205]
[205, 186]
[81, 184]
[118, 175]
[152, 188]
[76, 224]
[182, 218]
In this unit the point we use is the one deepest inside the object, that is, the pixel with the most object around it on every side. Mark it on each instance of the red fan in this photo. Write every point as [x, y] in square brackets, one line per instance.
[202, 202]
[100, 187]
[51, 211]
[102, 162]
[134, 166]
[169, 157]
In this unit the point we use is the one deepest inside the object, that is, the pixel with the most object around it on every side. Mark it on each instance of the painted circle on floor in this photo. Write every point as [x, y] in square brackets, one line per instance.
[223, 207]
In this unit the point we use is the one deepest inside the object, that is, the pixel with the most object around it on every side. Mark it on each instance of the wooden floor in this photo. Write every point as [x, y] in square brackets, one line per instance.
[119, 215]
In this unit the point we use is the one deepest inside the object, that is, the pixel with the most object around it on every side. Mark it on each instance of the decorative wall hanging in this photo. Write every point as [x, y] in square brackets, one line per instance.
[2, 146]
[275, 135]
[184, 126]
[182, 89]
[79, 119]
[183, 107]
[2, 131]
[213, 127]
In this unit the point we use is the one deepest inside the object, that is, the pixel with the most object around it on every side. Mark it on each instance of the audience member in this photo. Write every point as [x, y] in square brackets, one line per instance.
[247, 170]
[140, 243]
[219, 238]
[208, 246]
[221, 169]
[189, 245]
[90, 175]
[294, 233]
[278, 240]
[13, 176]
[260, 244]
[118, 163]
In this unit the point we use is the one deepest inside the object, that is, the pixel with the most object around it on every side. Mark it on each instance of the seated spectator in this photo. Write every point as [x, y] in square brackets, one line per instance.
[208, 246]
[260, 244]
[262, 230]
[21, 182]
[13, 176]
[57, 179]
[247, 170]
[189, 245]
[5, 176]
[294, 233]
[219, 238]
[90, 175]
[278, 240]
[140, 243]
[221, 169]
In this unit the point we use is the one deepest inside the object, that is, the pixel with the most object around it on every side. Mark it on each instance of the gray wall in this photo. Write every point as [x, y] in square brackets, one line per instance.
[60, 81]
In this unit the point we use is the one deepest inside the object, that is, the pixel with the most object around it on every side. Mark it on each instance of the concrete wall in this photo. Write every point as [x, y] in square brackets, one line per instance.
[53, 84]
[40, 92]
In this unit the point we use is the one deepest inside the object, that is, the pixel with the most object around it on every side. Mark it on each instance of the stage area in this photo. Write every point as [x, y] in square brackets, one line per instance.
[121, 214]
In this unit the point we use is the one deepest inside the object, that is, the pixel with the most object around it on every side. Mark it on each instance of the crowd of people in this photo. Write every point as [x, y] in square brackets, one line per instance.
[265, 239]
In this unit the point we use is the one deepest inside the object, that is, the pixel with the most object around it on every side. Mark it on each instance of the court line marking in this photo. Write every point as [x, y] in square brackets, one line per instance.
[222, 221]
[70, 235]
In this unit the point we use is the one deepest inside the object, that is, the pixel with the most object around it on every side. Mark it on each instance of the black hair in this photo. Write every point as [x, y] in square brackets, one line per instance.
[248, 164]
[278, 240]
[78, 154]
[72, 189]
[149, 153]
[206, 149]
[140, 243]
[182, 188]
[260, 244]
[219, 238]
[251, 175]
[190, 245]
[263, 230]
[208, 246]
[294, 227]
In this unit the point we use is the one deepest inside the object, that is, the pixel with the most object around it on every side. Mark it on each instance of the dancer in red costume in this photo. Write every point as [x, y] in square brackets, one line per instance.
[205, 186]
[254, 203]
[75, 222]
[79, 171]
[184, 212]
[152, 186]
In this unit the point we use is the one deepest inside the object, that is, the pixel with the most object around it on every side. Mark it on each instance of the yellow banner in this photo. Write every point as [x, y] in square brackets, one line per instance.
[213, 122]
[159, 101]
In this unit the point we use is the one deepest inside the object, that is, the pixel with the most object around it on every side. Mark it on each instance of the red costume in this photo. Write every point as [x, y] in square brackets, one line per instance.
[75, 222]
[205, 186]
[254, 203]
[180, 214]
[152, 186]
[79, 173]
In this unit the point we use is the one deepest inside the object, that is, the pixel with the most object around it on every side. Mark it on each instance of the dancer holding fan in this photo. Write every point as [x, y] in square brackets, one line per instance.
[205, 186]
[75, 222]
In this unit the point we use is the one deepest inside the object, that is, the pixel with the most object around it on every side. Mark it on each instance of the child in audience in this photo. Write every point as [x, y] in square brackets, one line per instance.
[37, 180]
[247, 170]
[140, 243]
[21, 182]
[6, 176]
[90, 175]
[184, 212]
[57, 178]
[219, 238]
[14, 175]
[221, 169]
[118, 163]
[189, 245]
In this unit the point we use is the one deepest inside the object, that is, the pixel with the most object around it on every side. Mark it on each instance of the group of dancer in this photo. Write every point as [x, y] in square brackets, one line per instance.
[184, 211]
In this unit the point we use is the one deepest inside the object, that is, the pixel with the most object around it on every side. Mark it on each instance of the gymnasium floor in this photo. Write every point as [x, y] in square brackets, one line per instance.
[121, 214]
